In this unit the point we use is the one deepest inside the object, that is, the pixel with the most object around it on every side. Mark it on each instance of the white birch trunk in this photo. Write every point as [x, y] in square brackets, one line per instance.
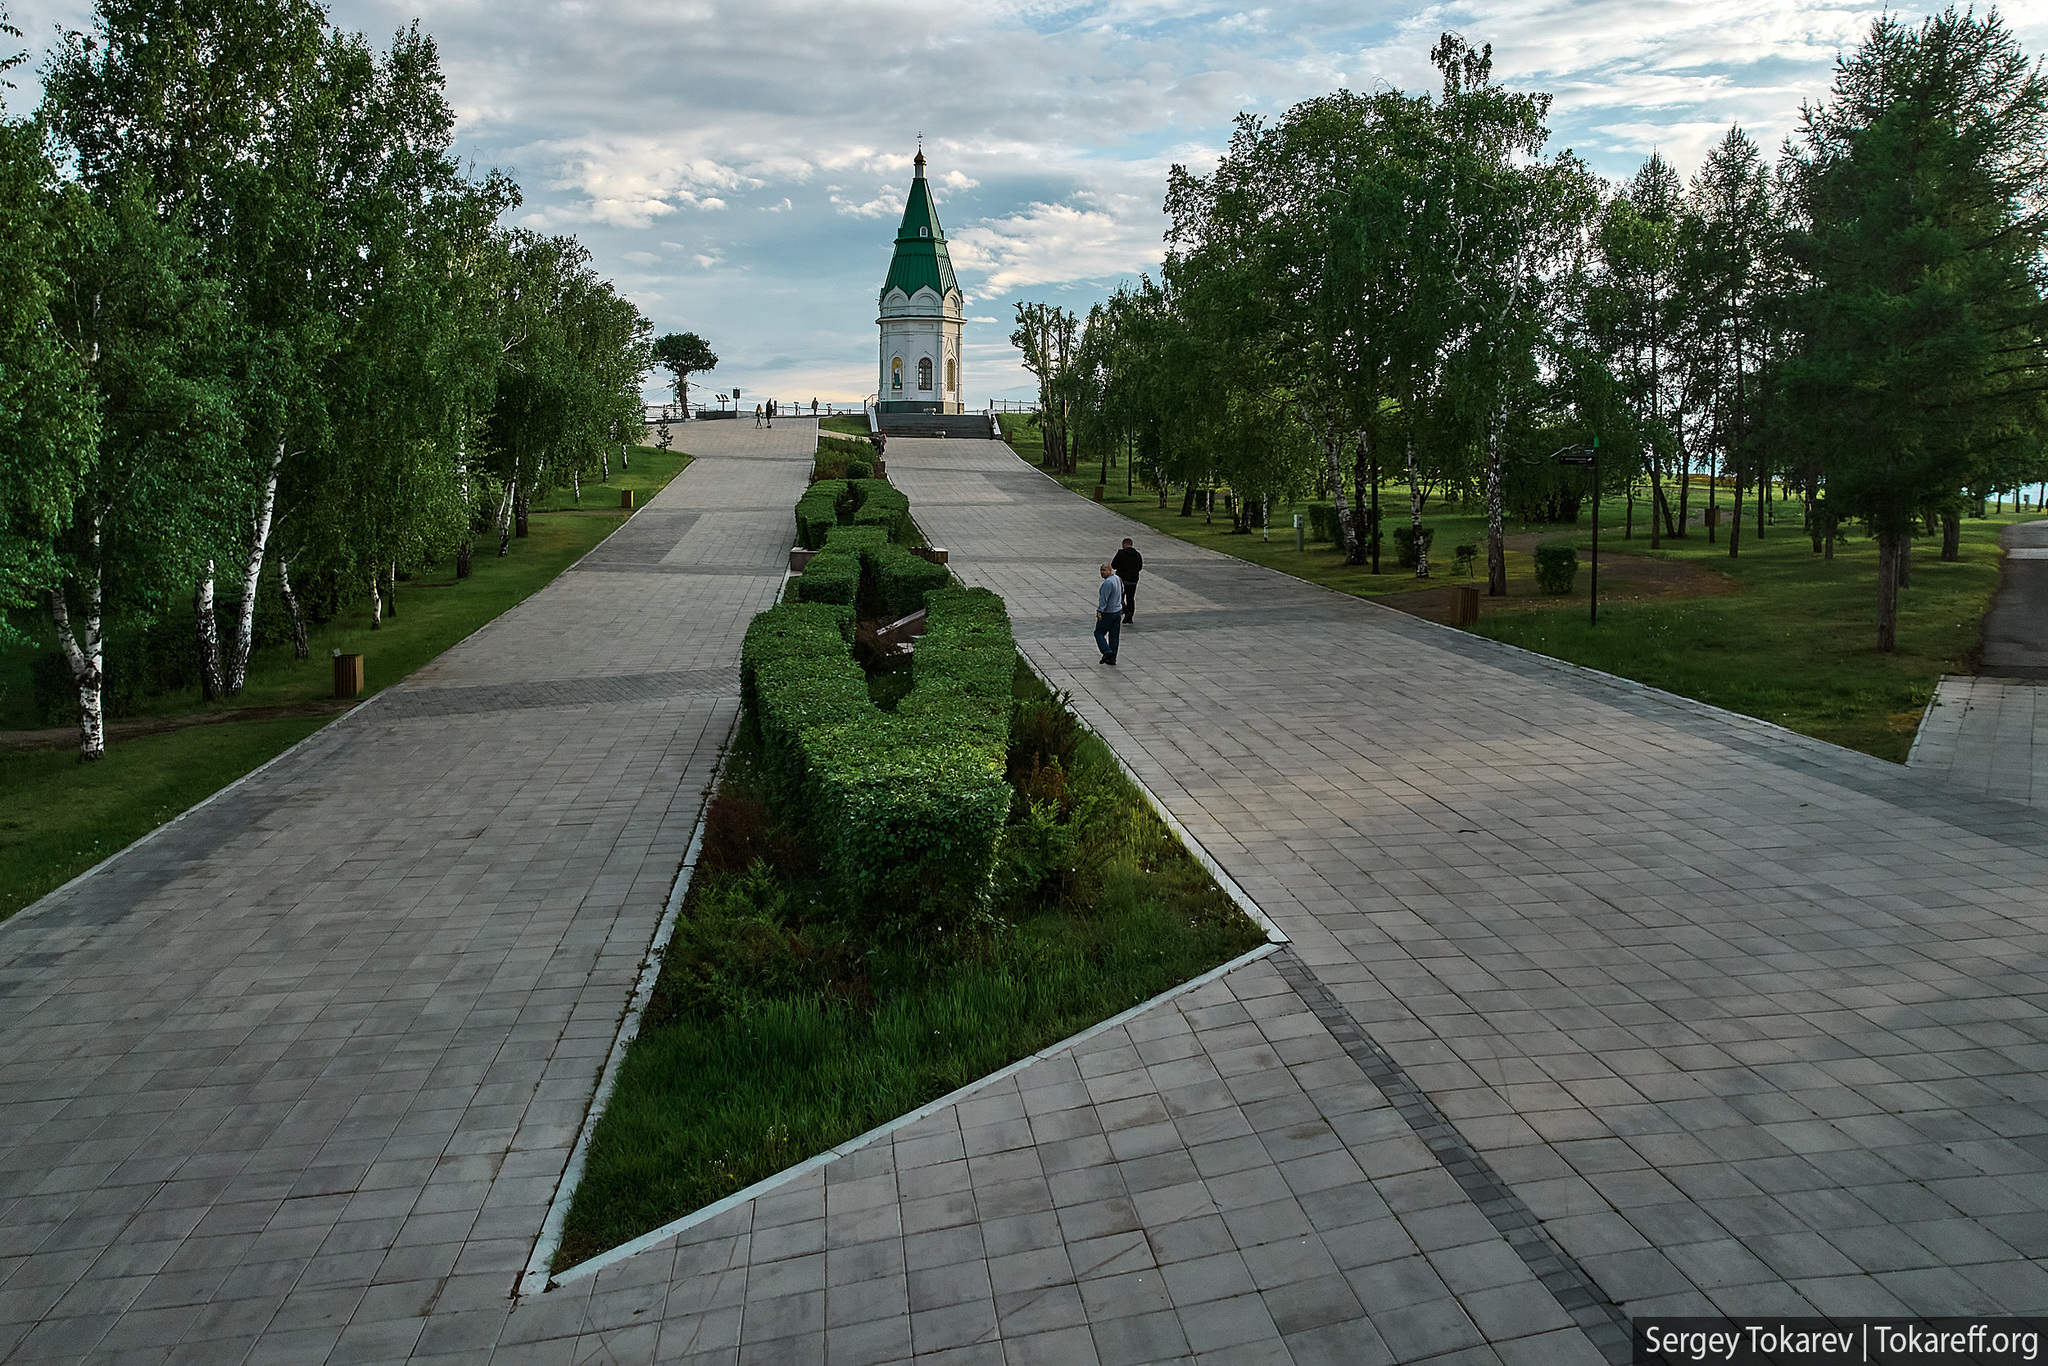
[259, 542]
[394, 590]
[86, 657]
[505, 519]
[1415, 508]
[1347, 532]
[209, 639]
[376, 604]
[576, 483]
[1496, 540]
[291, 604]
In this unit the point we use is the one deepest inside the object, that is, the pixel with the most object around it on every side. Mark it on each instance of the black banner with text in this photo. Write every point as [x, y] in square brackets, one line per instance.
[1838, 1342]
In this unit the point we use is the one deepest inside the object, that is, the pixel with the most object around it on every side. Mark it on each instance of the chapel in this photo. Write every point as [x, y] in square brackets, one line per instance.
[920, 313]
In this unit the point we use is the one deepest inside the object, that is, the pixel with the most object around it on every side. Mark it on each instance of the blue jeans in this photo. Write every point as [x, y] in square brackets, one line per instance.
[1108, 628]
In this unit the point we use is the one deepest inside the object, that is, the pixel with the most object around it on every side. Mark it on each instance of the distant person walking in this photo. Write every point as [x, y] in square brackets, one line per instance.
[1128, 564]
[1109, 606]
[771, 414]
[757, 414]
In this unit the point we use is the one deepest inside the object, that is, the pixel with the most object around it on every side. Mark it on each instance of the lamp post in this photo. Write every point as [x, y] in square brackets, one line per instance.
[1589, 455]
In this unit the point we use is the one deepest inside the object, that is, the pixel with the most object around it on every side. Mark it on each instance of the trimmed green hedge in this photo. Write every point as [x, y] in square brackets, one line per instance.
[817, 512]
[853, 502]
[859, 567]
[906, 809]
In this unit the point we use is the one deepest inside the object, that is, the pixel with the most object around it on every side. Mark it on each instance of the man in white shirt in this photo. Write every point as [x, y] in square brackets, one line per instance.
[1109, 612]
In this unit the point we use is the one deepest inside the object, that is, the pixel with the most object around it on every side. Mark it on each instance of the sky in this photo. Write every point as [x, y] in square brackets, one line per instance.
[738, 169]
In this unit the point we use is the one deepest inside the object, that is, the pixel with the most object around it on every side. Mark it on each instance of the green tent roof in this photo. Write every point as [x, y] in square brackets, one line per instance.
[920, 258]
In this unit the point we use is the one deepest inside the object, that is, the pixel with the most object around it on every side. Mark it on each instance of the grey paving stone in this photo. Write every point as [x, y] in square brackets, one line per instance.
[1595, 996]
[334, 992]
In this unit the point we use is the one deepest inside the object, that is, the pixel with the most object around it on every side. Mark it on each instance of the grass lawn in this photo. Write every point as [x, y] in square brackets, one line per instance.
[651, 471]
[854, 426]
[58, 817]
[1777, 633]
[1796, 643]
[775, 1032]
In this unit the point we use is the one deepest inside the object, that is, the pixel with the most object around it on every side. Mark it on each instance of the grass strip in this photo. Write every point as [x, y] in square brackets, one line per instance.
[59, 817]
[777, 1031]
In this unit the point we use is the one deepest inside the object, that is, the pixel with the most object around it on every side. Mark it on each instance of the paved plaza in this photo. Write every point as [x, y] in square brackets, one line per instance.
[1595, 1002]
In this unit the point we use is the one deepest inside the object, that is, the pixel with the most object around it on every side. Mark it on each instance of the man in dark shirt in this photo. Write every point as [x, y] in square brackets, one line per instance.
[1128, 563]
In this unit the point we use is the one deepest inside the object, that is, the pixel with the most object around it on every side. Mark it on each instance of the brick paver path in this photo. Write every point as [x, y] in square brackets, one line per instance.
[1597, 1000]
[1749, 1022]
[1987, 735]
[297, 1076]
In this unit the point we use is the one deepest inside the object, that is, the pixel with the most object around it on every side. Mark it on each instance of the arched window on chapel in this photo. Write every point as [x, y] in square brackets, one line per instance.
[952, 375]
[924, 373]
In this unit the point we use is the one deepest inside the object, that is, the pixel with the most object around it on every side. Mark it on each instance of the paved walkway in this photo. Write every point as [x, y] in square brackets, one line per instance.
[296, 1078]
[1748, 1022]
[1597, 1001]
[2016, 628]
[1988, 733]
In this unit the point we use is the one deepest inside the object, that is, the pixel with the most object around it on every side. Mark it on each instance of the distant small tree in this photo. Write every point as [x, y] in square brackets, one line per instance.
[663, 436]
[684, 354]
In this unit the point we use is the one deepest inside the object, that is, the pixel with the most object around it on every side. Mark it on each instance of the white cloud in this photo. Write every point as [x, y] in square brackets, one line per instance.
[1091, 237]
[886, 203]
[1048, 124]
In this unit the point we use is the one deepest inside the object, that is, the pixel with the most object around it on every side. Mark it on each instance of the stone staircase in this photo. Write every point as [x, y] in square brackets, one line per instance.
[972, 426]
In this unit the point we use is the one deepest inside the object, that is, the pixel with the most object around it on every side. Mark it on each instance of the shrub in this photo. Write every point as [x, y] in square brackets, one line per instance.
[853, 502]
[817, 512]
[1466, 556]
[877, 502]
[906, 810]
[1556, 568]
[859, 469]
[860, 568]
[1323, 524]
[1404, 544]
[836, 455]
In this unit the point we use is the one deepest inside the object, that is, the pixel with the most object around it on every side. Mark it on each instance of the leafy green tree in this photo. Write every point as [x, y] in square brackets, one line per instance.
[683, 354]
[149, 334]
[49, 426]
[1730, 233]
[1630, 316]
[1266, 268]
[1048, 335]
[1920, 181]
[573, 353]
[48, 429]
